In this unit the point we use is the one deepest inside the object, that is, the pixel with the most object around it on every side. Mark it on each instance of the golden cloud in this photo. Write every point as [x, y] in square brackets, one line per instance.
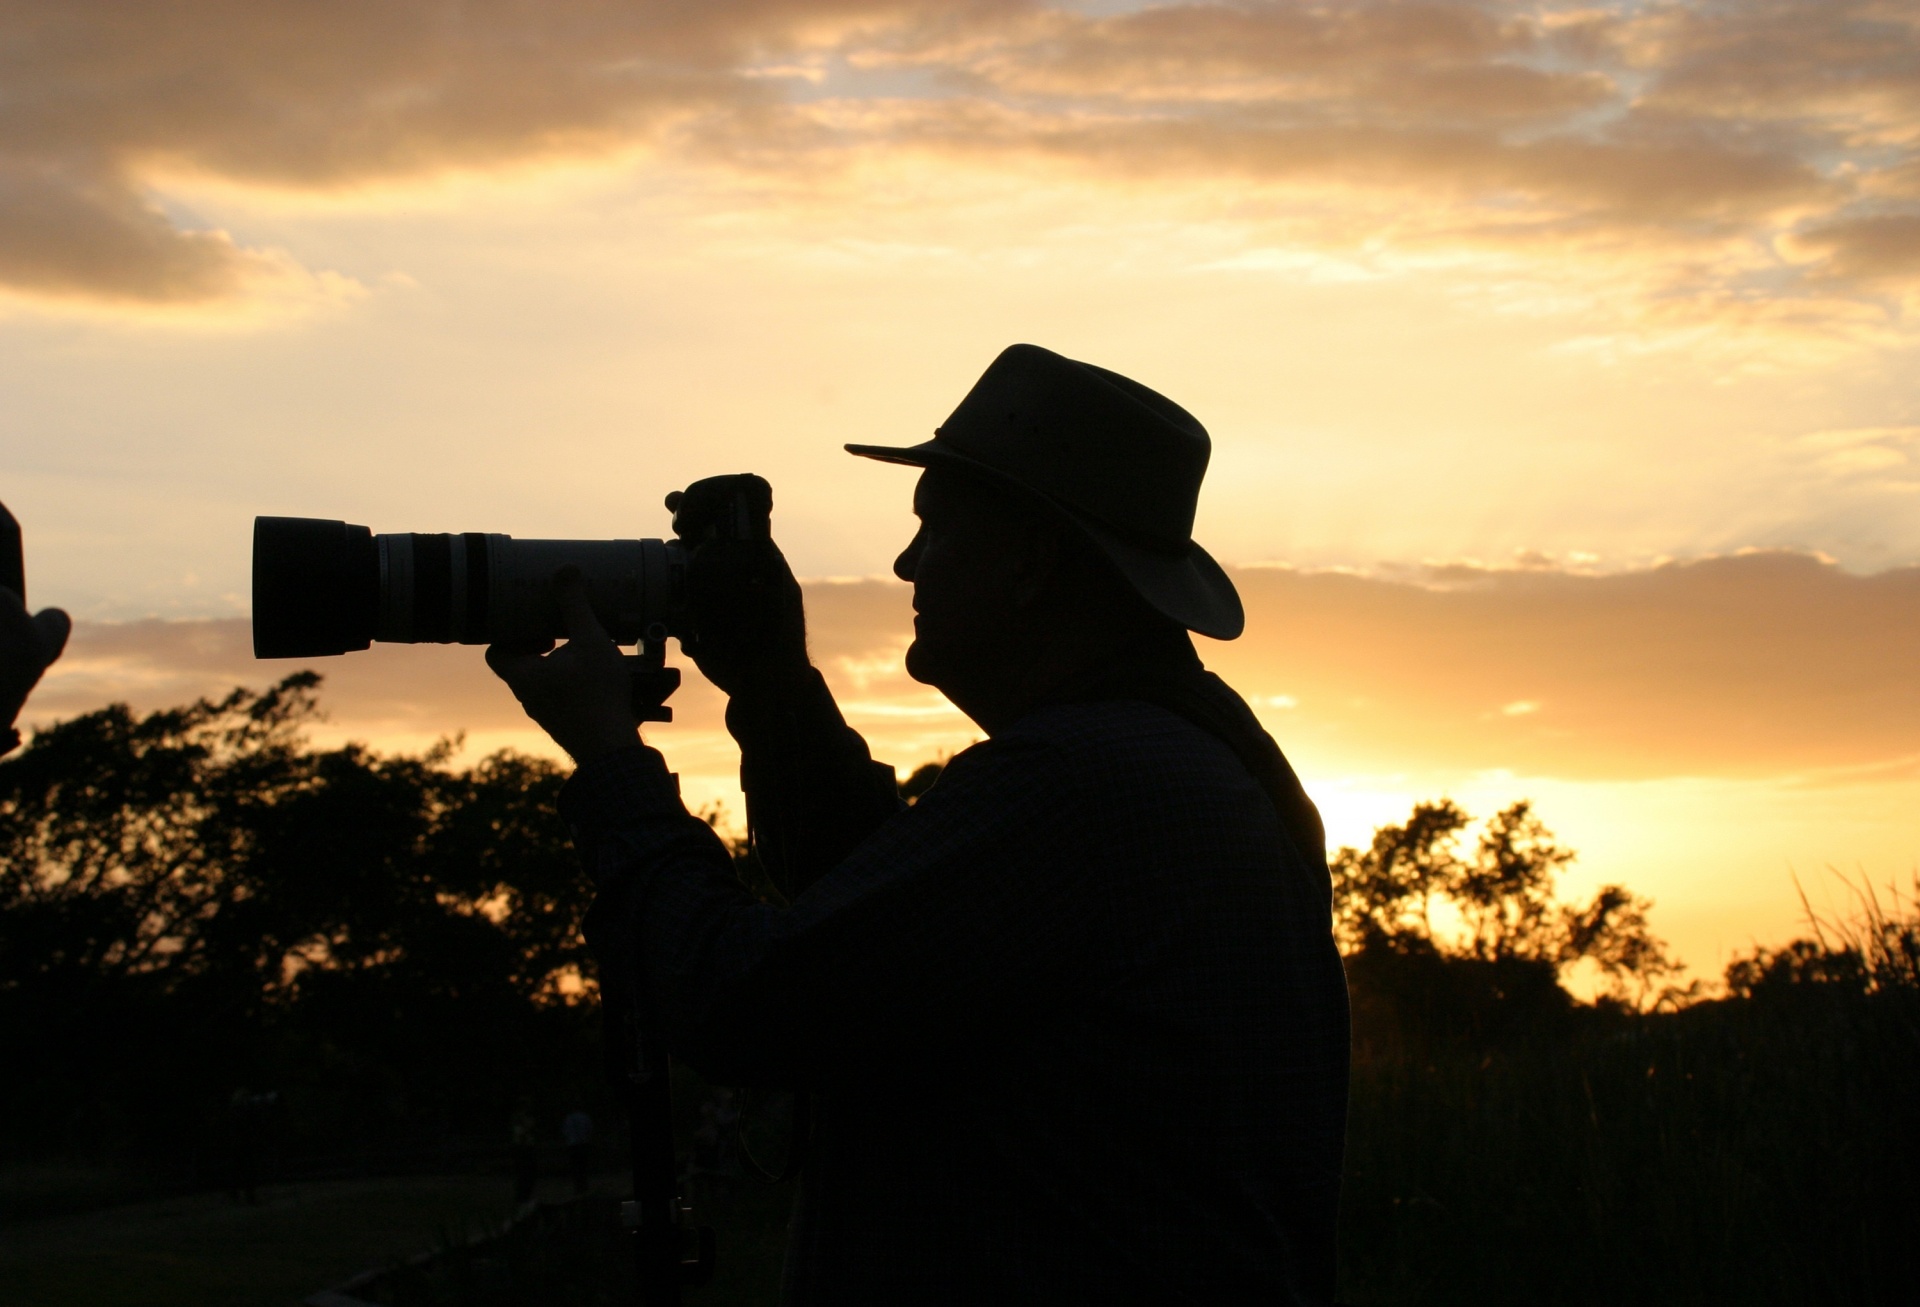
[1759, 664]
[1756, 664]
[1731, 145]
[1873, 248]
[102, 97]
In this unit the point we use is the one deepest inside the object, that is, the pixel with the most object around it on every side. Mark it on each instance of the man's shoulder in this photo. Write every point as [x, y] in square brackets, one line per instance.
[1106, 727]
[1093, 747]
[1115, 748]
[1105, 765]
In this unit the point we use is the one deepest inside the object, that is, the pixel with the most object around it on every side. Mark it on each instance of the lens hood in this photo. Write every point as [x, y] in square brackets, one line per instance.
[316, 587]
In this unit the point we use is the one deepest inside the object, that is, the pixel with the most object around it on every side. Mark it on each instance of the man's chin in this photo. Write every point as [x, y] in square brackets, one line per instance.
[932, 663]
[918, 664]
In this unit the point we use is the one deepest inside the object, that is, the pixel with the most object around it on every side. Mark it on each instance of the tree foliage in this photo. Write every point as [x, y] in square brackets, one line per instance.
[193, 901]
[1503, 892]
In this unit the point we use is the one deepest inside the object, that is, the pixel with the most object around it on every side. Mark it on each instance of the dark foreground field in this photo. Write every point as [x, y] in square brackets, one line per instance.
[203, 1250]
[226, 955]
[1756, 1150]
[1759, 1149]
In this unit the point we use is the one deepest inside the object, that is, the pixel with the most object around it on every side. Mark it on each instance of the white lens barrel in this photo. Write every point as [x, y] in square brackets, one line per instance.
[486, 589]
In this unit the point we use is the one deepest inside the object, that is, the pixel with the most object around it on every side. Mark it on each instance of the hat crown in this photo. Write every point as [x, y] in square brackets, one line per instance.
[1092, 440]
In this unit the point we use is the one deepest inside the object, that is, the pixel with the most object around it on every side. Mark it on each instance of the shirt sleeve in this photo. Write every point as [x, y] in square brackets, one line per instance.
[947, 911]
[813, 790]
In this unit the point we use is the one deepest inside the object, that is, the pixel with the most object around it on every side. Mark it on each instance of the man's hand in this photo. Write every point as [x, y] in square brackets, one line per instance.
[749, 622]
[582, 692]
[28, 646]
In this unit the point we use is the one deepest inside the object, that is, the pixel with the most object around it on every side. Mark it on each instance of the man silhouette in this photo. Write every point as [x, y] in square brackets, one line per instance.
[1073, 1022]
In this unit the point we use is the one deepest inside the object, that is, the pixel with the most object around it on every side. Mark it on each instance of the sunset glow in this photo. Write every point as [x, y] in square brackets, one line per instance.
[1559, 359]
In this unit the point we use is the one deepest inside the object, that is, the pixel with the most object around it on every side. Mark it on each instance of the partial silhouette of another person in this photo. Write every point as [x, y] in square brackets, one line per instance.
[1073, 1023]
[29, 642]
[576, 1130]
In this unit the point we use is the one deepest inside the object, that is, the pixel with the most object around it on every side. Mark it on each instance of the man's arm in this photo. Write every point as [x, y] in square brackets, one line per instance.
[925, 930]
[814, 792]
[942, 907]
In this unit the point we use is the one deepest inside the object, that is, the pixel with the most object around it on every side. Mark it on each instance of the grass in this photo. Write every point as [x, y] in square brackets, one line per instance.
[1756, 1150]
[577, 1255]
[1504, 1146]
[204, 1250]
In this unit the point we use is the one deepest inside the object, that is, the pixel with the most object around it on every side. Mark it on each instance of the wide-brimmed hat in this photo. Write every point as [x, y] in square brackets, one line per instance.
[1122, 462]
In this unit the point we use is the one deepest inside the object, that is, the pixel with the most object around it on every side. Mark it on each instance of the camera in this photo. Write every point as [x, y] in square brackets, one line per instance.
[324, 587]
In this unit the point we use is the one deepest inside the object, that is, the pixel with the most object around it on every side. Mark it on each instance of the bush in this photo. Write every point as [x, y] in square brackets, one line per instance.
[215, 941]
[1507, 1145]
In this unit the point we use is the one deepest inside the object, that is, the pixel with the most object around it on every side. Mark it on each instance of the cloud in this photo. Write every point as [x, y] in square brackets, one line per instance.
[1762, 664]
[1723, 150]
[103, 98]
[1881, 458]
[1871, 249]
[1453, 100]
[409, 690]
[1718, 159]
[1757, 664]
[66, 230]
[1845, 69]
[1380, 60]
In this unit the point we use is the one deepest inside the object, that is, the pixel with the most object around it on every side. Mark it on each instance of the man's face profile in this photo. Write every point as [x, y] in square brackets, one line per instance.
[964, 564]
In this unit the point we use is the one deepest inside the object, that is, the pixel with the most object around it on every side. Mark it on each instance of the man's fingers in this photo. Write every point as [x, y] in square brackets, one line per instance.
[580, 694]
[532, 648]
[510, 663]
[576, 610]
[703, 505]
[53, 626]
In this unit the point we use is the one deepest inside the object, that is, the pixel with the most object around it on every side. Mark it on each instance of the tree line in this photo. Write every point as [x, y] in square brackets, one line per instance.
[194, 906]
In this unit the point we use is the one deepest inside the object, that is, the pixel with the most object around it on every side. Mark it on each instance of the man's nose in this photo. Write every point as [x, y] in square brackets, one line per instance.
[909, 559]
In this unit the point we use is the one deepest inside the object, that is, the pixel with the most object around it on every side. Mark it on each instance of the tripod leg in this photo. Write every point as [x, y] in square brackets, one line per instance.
[652, 1216]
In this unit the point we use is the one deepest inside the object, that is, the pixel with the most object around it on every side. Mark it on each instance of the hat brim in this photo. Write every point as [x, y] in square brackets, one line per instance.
[1188, 587]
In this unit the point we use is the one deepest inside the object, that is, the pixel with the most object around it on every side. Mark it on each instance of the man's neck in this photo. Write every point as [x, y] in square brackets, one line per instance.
[1006, 692]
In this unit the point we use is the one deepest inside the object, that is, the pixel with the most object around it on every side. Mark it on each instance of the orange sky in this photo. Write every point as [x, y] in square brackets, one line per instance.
[1514, 325]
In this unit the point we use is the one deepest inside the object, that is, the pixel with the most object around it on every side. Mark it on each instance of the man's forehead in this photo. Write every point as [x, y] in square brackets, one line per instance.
[945, 491]
[940, 491]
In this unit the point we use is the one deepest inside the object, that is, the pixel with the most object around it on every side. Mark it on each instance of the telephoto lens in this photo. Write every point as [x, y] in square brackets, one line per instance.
[322, 587]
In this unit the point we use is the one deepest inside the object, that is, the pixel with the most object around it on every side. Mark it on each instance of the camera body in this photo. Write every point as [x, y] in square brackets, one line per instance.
[323, 587]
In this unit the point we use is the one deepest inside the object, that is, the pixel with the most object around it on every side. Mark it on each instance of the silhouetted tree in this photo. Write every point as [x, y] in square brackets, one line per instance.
[193, 901]
[1384, 897]
[1385, 894]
